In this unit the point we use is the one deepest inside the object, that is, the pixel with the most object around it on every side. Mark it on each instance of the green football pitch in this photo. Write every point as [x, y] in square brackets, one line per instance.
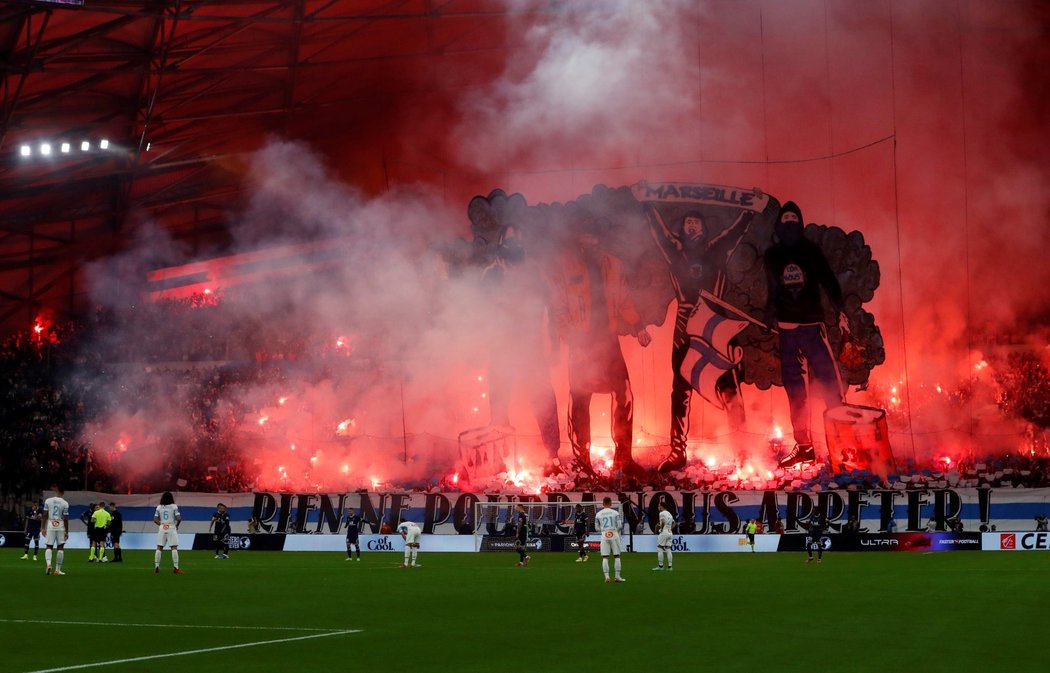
[271, 611]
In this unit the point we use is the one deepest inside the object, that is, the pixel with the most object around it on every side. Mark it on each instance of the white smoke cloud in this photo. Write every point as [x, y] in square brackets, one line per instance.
[601, 75]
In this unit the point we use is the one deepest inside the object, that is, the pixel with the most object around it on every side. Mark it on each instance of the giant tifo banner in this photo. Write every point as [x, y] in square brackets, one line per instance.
[697, 512]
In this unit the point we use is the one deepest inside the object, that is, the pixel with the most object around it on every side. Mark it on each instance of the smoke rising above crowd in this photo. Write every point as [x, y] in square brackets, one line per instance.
[914, 124]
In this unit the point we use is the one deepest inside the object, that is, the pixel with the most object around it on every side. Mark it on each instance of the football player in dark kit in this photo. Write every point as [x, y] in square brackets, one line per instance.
[221, 533]
[116, 529]
[815, 534]
[353, 534]
[32, 530]
[579, 528]
[521, 534]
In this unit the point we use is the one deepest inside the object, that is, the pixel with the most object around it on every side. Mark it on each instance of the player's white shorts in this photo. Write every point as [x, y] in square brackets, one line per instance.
[610, 545]
[413, 537]
[664, 539]
[167, 535]
[55, 536]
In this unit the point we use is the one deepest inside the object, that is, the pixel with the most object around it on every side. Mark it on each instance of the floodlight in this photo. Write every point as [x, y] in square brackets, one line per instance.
[26, 150]
[45, 149]
[65, 148]
[104, 144]
[84, 146]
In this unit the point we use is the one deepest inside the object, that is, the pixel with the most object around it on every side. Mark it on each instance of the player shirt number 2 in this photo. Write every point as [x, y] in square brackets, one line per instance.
[56, 509]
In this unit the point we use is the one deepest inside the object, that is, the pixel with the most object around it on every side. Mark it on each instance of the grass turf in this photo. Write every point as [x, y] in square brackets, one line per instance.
[967, 611]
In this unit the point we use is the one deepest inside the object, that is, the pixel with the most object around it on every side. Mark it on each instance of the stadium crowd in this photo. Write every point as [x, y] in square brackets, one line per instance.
[56, 381]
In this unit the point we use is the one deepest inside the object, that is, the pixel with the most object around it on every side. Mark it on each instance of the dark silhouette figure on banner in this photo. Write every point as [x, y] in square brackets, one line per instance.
[797, 270]
[520, 300]
[697, 260]
[591, 302]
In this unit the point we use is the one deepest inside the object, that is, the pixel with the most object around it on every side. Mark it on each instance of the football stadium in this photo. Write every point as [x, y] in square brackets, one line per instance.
[469, 335]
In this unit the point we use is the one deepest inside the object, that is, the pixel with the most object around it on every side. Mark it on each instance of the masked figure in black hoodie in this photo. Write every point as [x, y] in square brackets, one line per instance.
[797, 269]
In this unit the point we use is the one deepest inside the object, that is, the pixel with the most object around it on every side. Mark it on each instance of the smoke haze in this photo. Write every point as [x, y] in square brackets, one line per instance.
[919, 124]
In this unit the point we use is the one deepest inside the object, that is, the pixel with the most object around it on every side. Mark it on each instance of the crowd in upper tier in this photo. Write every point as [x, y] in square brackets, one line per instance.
[58, 378]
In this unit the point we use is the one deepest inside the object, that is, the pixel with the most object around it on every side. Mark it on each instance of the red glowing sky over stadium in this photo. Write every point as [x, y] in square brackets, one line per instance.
[916, 124]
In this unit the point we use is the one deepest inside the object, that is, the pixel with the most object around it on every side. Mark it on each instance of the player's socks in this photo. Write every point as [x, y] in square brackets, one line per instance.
[605, 567]
[660, 557]
[47, 556]
[408, 555]
[156, 559]
[58, 560]
[669, 561]
[415, 555]
[616, 564]
[175, 558]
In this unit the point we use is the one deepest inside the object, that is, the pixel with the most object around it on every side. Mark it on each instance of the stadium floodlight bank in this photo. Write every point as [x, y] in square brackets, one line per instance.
[494, 524]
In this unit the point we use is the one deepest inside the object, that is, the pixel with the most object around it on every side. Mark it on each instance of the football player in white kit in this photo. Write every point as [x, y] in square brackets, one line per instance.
[608, 522]
[56, 529]
[665, 527]
[412, 535]
[167, 518]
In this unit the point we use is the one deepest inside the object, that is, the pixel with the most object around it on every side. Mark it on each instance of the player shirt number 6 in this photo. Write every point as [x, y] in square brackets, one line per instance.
[167, 533]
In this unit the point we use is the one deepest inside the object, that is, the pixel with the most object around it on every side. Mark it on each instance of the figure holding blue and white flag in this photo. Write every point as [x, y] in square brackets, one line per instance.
[700, 358]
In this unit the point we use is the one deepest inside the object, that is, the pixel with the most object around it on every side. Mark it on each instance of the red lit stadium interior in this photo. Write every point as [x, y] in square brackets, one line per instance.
[250, 286]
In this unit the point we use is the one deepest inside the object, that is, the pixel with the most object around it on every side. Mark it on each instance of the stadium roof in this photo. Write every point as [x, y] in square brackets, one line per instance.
[181, 89]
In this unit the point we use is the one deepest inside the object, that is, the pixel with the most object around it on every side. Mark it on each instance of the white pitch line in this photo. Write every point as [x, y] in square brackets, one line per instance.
[190, 652]
[167, 626]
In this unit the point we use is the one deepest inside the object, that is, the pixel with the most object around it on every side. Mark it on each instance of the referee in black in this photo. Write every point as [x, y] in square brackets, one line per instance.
[116, 529]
